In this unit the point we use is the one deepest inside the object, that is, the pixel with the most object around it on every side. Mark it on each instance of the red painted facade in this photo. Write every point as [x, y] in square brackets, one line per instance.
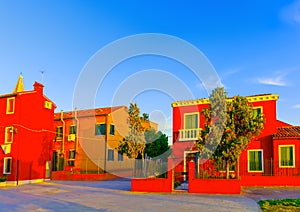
[26, 134]
[266, 144]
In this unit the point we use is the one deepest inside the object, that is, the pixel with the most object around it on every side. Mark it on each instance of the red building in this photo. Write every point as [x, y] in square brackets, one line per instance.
[26, 134]
[274, 152]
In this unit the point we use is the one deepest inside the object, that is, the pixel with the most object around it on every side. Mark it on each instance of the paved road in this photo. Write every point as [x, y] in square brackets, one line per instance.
[116, 196]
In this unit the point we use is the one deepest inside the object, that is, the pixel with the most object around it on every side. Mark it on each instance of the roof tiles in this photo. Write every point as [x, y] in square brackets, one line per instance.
[287, 132]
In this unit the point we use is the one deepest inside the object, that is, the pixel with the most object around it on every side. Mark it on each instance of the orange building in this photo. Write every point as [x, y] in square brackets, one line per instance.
[85, 141]
[26, 134]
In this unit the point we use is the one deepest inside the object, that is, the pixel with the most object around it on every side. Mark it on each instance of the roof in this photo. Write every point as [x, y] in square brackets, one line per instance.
[88, 112]
[287, 132]
[253, 98]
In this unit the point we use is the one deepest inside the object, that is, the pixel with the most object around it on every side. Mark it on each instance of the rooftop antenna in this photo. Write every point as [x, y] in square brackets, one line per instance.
[42, 72]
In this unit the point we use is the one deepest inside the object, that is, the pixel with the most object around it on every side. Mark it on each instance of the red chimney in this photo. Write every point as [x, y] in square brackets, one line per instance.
[38, 87]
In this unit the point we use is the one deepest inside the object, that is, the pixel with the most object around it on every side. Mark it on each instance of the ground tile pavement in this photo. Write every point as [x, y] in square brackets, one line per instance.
[115, 195]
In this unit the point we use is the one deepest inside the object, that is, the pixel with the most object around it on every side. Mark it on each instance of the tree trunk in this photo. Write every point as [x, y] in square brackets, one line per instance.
[238, 168]
[227, 169]
[143, 165]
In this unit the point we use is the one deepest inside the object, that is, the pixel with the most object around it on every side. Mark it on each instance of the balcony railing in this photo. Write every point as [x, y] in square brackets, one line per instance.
[189, 134]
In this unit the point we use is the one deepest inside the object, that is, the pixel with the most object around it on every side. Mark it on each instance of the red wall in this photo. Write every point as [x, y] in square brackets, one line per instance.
[154, 184]
[263, 141]
[270, 181]
[286, 170]
[63, 175]
[33, 135]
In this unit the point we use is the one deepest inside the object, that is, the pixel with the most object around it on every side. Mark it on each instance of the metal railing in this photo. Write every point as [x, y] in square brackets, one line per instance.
[150, 168]
[245, 168]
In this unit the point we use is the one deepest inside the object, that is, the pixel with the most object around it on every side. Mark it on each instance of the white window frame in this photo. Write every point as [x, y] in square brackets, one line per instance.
[113, 155]
[5, 164]
[262, 160]
[194, 113]
[279, 156]
[259, 107]
[8, 105]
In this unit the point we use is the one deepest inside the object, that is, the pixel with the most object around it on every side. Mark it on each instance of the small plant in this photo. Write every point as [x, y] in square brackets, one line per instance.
[280, 205]
[3, 178]
[176, 184]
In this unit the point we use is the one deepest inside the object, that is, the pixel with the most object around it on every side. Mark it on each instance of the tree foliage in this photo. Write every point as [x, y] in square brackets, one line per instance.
[156, 143]
[134, 144]
[242, 125]
[215, 123]
[145, 117]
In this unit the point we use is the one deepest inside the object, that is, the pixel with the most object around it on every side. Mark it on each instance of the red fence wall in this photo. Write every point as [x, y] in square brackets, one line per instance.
[270, 180]
[212, 186]
[154, 184]
[62, 175]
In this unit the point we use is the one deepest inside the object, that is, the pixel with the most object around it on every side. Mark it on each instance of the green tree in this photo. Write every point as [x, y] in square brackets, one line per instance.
[134, 144]
[242, 125]
[145, 117]
[156, 144]
[215, 123]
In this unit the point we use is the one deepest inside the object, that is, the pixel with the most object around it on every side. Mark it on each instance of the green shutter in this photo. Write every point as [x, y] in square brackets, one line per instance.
[191, 121]
[255, 160]
[286, 156]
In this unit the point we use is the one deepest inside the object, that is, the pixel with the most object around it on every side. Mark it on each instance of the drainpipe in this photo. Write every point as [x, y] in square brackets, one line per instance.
[77, 130]
[63, 134]
[105, 145]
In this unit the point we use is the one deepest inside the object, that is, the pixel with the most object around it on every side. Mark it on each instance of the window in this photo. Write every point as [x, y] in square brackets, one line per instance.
[59, 131]
[48, 105]
[257, 111]
[71, 161]
[112, 129]
[120, 156]
[110, 155]
[191, 121]
[286, 155]
[255, 160]
[100, 129]
[7, 165]
[10, 105]
[73, 129]
[9, 134]
[72, 154]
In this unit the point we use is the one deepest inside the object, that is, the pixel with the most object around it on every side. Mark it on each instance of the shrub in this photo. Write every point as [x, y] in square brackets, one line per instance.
[3, 178]
[176, 184]
[280, 205]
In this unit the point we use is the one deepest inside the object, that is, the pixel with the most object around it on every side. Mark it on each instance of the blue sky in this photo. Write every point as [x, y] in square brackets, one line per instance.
[253, 45]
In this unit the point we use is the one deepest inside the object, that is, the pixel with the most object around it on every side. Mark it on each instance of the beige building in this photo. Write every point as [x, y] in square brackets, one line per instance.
[86, 141]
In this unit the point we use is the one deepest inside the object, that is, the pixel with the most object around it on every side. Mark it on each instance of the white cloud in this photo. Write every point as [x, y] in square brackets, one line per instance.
[231, 71]
[291, 13]
[297, 106]
[277, 81]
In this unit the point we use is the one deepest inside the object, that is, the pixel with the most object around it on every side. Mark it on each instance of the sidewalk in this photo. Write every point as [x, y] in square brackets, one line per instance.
[115, 195]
